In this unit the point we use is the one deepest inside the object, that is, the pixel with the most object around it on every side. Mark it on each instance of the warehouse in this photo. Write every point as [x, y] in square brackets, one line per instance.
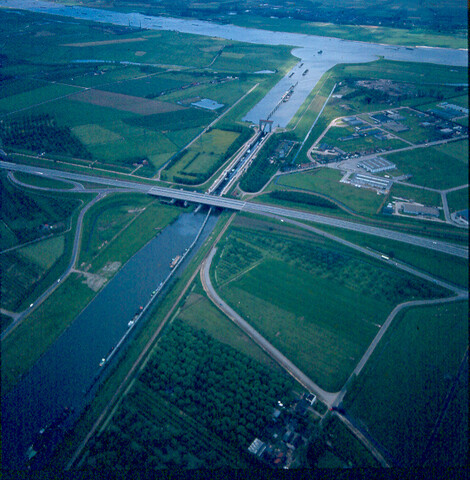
[377, 164]
[413, 209]
[381, 184]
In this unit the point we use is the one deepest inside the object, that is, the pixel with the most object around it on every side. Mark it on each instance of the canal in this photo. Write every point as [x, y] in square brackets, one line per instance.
[69, 373]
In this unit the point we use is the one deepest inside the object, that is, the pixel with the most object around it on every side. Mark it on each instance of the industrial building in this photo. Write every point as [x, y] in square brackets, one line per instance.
[360, 180]
[413, 209]
[377, 164]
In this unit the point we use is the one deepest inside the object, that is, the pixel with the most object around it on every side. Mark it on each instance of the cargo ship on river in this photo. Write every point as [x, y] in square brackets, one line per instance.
[175, 261]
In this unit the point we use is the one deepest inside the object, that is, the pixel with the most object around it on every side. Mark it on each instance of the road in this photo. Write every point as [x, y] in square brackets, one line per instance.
[239, 205]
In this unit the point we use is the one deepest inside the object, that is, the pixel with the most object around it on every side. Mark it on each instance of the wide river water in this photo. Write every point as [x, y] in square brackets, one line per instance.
[69, 372]
[305, 47]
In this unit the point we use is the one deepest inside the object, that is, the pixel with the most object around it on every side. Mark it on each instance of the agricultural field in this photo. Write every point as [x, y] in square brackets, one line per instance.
[189, 376]
[202, 159]
[87, 105]
[401, 392]
[261, 273]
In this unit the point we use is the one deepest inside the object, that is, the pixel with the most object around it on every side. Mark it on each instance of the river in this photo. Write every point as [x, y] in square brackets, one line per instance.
[69, 372]
[305, 47]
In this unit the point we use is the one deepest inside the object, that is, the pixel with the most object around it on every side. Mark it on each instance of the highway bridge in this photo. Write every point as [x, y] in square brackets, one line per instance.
[251, 207]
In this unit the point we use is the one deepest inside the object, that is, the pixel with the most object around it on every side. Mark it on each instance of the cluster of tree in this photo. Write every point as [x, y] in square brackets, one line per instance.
[236, 256]
[24, 213]
[190, 407]
[306, 198]
[40, 133]
[201, 376]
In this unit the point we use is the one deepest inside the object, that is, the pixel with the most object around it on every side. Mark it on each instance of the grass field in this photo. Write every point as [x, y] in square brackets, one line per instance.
[106, 220]
[261, 275]
[42, 182]
[401, 392]
[426, 197]
[457, 150]
[458, 200]
[44, 253]
[204, 156]
[431, 168]
[326, 182]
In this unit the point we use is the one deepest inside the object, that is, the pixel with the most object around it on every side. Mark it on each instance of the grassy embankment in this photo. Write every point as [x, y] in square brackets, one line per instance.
[24, 345]
[401, 392]
[260, 273]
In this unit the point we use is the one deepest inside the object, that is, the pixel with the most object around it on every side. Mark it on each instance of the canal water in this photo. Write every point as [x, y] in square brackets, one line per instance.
[69, 372]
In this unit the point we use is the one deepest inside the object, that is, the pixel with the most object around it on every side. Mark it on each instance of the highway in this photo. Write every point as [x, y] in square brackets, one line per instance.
[239, 205]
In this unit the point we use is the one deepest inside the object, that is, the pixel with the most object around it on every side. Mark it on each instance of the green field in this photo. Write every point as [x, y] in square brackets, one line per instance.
[44, 253]
[42, 182]
[326, 182]
[447, 267]
[261, 274]
[458, 200]
[401, 391]
[106, 220]
[203, 157]
[426, 197]
[457, 150]
[432, 168]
